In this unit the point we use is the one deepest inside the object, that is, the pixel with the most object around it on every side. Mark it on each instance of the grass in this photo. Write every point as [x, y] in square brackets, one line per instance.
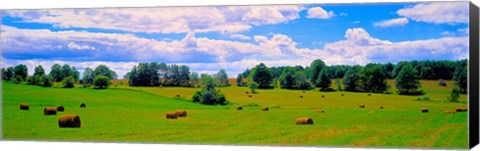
[137, 114]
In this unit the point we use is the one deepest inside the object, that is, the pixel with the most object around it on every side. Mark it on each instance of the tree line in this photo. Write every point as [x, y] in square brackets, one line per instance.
[369, 78]
[66, 74]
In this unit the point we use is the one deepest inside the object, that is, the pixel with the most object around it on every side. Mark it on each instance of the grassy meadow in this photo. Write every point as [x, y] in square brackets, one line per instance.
[137, 114]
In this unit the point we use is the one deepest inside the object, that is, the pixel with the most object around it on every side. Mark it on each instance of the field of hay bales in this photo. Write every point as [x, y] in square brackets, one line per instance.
[138, 114]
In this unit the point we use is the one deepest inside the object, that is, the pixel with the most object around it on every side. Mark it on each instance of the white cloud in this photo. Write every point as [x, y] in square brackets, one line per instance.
[121, 51]
[240, 36]
[438, 12]
[73, 45]
[224, 19]
[392, 22]
[318, 12]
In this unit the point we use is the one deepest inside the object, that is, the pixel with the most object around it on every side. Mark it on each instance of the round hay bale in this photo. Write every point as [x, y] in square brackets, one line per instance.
[301, 96]
[304, 121]
[239, 108]
[60, 108]
[449, 112]
[181, 113]
[264, 108]
[69, 121]
[83, 105]
[303, 91]
[24, 106]
[381, 107]
[369, 94]
[323, 96]
[50, 111]
[361, 106]
[250, 96]
[320, 111]
[178, 95]
[171, 115]
[424, 110]
[343, 94]
[461, 109]
[246, 92]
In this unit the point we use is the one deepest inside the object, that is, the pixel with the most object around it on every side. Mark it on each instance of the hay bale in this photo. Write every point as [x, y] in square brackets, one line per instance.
[24, 106]
[369, 94]
[343, 94]
[461, 109]
[323, 96]
[50, 111]
[60, 108]
[381, 107]
[303, 91]
[172, 115]
[303, 121]
[83, 105]
[361, 106]
[250, 95]
[320, 111]
[301, 96]
[178, 95]
[449, 112]
[181, 113]
[239, 108]
[246, 92]
[69, 120]
[264, 108]
[424, 110]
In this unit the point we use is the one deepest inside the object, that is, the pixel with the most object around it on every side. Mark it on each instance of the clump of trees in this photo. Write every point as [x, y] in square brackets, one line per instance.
[209, 95]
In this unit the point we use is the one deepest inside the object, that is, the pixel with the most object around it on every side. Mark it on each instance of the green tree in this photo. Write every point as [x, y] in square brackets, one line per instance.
[375, 79]
[56, 72]
[323, 80]
[351, 78]
[222, 78]
[88, 76]
[21, 70]
[101, 81]
[104, 71]
[66, 71]
[75, 73]
[407, 81]
[18, 79]
[239, 80]
[253, 86]
[460, 77]
[39, 71]
[454, 95]
[315, 67]
[46, 81]
[262, 75]
[68, 82]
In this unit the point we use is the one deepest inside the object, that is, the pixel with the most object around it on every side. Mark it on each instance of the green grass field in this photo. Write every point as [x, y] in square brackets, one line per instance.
[137, 114]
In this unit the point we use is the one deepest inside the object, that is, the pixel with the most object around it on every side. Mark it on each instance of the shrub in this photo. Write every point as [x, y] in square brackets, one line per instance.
[45, 81]
[68, 82]
[454, 95]
[31, 80]
[101, 82]
[442, 83]
[253, 86]
[18, 79]
[209, 97]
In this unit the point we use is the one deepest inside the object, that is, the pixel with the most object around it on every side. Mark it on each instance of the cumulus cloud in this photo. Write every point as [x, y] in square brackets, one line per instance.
[240, 36]
[122, 51]
[438, 12]
[392, 22]
[225, 19]
[320, 13]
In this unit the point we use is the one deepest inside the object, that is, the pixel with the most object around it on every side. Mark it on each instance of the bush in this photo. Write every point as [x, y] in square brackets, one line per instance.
[45, 81]
[18, 79]
[209, 96]
[253, 86]
[68, 82]
[31, 80]
[101, 82]
[442, 83]
[454, 95]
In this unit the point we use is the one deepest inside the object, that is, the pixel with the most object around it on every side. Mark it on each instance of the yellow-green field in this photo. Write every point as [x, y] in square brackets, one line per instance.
[137, 114]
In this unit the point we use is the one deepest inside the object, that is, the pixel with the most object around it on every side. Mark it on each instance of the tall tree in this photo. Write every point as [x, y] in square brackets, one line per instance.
[351, 78]
[105, 71]
[66, 71]
[460, 77]
[315, 67]
[262, 75]
[323, 80]
[56, 73]
[88, 76]
[21, 70]
[222, 78]
[39, 71]
[75, 73]
[407, 81]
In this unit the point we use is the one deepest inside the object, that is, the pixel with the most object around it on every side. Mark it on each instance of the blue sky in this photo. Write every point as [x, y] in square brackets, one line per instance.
[236, 37]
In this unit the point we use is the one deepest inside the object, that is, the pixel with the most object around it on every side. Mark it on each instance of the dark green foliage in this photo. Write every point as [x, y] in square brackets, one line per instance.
[407, 81]
[315, 67]
[104, 71]
[9, 74]
[66, 71]
[239, 80]
[144, 74]
[68, 82]
[351, 78]
[339, 84]
[56, 73]
[194, 79]
[101, 82]
[88, 76]
[222, 78]
[45, 81]
[323, 80]
[460, 77]
[294, 78]
[374, 79]
[454, 95]
[21, 70]
[262, 75]
[75, 73]
[31, 81]
[208, 95]
[39, 71]
[18, 79]
[175, 75]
